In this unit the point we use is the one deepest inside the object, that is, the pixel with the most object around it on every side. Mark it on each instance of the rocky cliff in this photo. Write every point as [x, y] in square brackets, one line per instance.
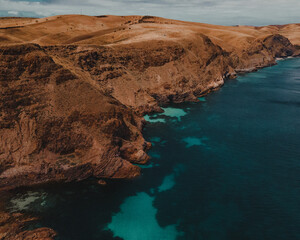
[74, 88]
[56, 125]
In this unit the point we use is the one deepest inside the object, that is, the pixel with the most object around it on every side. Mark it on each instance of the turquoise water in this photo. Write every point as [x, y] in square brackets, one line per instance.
[226, 168]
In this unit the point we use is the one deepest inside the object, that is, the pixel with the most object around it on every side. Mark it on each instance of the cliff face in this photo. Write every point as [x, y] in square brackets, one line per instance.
[57, 126]
[142, 76]
[71, 101]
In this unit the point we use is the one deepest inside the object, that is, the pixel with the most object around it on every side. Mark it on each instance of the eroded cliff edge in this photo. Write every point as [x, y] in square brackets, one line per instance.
[72, 109]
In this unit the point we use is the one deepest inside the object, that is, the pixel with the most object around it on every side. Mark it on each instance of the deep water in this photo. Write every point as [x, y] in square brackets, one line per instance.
[226, 168]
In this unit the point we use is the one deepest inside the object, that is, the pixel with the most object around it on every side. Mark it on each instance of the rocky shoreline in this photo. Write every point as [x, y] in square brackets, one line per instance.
[12, 228]
[73, 109]
[52, 128]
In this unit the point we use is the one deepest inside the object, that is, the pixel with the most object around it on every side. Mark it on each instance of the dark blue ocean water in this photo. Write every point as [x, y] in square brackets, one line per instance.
[226, 168]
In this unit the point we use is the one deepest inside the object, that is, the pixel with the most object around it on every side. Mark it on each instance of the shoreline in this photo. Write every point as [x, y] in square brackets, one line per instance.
[139, 156]
[164, 105]
[47, 231]
[73, 103]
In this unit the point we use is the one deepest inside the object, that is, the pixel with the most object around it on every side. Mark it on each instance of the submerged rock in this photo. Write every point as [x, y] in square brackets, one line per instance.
[102, 182]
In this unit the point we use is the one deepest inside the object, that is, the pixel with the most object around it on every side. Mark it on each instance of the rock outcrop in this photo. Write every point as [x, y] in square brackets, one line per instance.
[12, 224]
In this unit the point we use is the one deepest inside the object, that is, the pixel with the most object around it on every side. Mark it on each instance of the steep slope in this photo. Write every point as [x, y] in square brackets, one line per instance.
[56, 126]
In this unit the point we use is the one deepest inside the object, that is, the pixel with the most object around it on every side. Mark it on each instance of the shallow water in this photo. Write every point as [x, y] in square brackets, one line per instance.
[226, 168]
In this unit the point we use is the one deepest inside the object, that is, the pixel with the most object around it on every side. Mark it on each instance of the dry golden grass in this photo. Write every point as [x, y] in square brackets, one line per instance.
[111, 30]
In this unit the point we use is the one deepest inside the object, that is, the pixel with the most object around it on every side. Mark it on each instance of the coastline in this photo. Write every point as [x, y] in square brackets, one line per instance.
[66, 137]
[72, 104]
[44, 231]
